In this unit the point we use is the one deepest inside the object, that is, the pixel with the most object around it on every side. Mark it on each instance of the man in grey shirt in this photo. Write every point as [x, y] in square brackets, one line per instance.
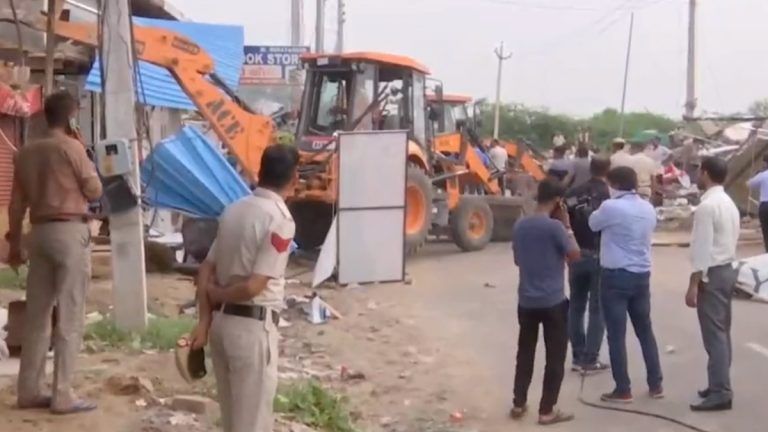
[542, 245]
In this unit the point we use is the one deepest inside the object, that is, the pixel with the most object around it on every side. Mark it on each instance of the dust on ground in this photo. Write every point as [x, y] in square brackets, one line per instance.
[406, 377]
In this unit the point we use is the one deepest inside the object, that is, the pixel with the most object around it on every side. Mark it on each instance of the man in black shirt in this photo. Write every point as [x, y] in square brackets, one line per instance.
[582, 200]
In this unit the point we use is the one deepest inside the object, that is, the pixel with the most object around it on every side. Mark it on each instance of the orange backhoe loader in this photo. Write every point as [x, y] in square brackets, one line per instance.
[448, 190]
[361, 91]
[457, 111]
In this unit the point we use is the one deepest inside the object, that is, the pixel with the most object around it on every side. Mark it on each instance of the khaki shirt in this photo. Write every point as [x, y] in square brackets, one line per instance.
[54, 178]
[645, 168]
[254, 237]
[621, 158]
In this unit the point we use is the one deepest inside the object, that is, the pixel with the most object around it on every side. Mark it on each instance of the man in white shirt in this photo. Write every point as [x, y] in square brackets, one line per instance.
[500, 159]
[713, 249]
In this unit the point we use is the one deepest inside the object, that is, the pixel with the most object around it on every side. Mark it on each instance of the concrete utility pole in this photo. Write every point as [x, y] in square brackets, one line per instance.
[501, 56]
[626, 75]
[340, 20]
[690, 94]
[297, 22]
[126, 228]
[50, 45]
[320, 26]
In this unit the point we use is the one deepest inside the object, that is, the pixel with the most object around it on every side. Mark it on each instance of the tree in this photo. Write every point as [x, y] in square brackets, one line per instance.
[538, 125]
[759, 108]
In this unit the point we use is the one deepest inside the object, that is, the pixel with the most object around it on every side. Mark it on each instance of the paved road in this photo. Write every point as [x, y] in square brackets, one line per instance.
[466, 315]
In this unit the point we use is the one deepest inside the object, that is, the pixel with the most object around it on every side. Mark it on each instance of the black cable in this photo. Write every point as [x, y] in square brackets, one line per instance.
[634, 411]
[625, 410]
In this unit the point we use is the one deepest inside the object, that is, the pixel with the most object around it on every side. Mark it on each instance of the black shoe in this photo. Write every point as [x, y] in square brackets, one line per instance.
[709, 406]
[703, 393]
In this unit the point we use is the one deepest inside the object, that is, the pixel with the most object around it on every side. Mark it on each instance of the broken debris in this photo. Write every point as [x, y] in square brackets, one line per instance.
[123, 385]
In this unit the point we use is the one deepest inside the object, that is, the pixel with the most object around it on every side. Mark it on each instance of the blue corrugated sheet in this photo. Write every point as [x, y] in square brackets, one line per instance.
[224, 43]
[187, 172]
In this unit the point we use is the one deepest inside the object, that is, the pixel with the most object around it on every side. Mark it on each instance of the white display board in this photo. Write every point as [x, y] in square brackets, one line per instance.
[372, 166]
[371, 212]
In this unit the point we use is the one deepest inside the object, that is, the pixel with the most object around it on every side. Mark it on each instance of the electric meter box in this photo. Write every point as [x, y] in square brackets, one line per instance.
[114, 157]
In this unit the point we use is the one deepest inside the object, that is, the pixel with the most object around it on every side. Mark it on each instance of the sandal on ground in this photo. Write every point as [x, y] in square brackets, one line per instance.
[42, 402]
[78, 407]
[518, 412]
[555, 418]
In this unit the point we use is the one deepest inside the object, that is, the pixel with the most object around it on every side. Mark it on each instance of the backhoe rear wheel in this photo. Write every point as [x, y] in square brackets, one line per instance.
[471, 223]
[418, 209]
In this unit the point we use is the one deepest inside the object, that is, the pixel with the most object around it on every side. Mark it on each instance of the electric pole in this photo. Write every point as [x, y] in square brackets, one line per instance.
[126, 228]
[690, 94]
[340, 20]
[320, 26]
[626, 75]
[297, 22]
[502, 57]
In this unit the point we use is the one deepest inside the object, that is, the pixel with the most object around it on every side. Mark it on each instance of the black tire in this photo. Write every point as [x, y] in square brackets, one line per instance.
[461, 223]
[417, 179]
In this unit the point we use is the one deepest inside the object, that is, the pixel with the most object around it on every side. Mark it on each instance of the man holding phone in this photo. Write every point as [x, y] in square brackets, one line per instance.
[542, 244]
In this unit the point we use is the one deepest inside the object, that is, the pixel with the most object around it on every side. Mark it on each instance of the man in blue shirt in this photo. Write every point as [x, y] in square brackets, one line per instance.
[760, 182]
[626, 223]
[542, 245]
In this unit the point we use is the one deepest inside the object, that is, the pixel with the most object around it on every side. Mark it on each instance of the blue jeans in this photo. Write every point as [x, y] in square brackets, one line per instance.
[585, 290]
[622, 293]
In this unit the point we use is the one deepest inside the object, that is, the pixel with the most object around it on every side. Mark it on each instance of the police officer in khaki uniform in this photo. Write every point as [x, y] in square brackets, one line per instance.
[240, 290]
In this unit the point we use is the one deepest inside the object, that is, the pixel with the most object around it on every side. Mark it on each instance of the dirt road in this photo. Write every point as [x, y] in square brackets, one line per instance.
[442, 345]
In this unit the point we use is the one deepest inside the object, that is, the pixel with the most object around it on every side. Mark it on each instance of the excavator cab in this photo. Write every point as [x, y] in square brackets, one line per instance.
[355, 92]
[360, 92]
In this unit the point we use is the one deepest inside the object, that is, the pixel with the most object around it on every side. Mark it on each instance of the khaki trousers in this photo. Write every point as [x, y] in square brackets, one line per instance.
[59, 274]
[244, 353]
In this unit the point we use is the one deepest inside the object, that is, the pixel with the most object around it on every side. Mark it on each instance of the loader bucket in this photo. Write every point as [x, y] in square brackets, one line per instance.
[313, 220]
[506, 211]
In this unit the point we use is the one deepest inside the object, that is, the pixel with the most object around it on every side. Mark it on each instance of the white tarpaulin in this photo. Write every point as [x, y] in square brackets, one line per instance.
[753, 277]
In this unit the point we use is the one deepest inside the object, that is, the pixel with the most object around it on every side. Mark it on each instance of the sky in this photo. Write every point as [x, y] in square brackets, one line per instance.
[567, 55]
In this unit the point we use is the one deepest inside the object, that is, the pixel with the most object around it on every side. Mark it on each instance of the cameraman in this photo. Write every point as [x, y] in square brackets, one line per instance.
[584, 277]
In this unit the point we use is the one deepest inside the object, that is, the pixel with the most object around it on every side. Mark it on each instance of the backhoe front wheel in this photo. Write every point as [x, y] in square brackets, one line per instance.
[418, 209]
[471, 223]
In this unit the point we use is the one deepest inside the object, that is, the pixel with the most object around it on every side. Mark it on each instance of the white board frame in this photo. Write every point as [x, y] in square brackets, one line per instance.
[348, 204]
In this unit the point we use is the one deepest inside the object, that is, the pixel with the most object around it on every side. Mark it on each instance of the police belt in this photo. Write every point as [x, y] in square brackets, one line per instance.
[256, 312]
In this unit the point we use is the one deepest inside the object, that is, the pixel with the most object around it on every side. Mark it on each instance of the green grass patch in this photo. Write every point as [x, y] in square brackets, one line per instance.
[9, 279]
[160, 334]
[311, 404]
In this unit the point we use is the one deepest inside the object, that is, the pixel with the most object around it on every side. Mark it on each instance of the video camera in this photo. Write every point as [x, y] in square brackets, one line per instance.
[582, 203]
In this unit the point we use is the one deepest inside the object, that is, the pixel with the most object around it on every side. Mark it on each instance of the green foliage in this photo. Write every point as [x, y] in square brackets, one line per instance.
[759, 108]
[160, 334]
[538, 125]
[9, 279]
[311, 404]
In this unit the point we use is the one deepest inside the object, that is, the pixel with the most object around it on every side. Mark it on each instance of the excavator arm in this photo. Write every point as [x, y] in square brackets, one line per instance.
[245, 134]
